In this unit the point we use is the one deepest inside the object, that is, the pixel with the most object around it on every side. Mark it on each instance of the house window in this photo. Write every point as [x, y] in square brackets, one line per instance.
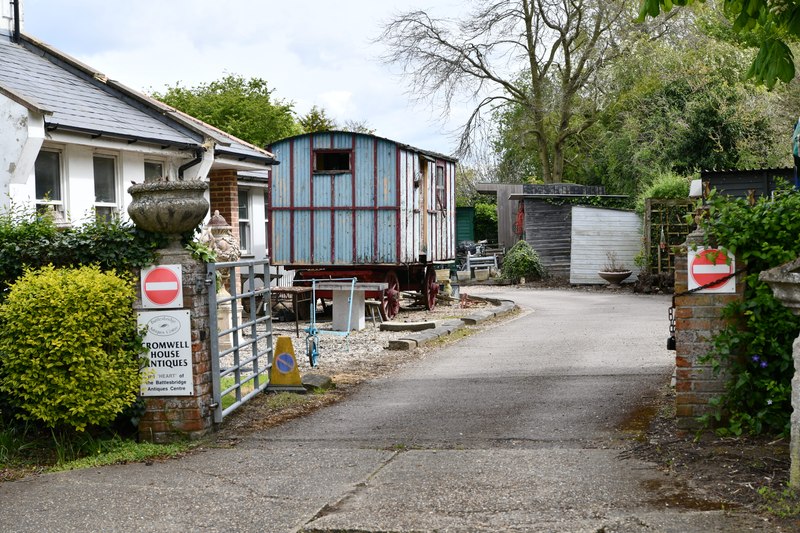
[105, 186]
[47, 172]
[441, 193]
[244, 221]
[332, 161]
[153, 170]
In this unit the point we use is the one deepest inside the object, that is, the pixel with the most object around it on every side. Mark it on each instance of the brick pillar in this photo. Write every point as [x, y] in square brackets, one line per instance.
[223, 190]
[697, 320]
[172, 418]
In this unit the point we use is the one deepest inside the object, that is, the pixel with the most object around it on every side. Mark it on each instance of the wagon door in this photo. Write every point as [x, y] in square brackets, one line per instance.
[424, 207]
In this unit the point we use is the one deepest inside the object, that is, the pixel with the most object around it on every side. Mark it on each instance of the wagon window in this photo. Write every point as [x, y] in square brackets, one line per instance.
[441, 196]
[332, 161]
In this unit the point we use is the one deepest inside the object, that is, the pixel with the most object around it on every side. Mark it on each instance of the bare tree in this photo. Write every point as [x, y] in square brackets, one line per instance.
[541, 55]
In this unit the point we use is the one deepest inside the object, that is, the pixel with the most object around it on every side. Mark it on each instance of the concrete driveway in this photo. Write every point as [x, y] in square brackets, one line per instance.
[515, 429]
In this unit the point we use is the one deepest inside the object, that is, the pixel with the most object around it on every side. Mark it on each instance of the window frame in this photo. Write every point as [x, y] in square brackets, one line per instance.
[57, 204]
[106, 208]
[321, 153]
[154, 162]
[245, 224]
[441, 186]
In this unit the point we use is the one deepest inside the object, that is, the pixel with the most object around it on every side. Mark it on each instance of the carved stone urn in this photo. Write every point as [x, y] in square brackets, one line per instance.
[784, 281]
[169, 207]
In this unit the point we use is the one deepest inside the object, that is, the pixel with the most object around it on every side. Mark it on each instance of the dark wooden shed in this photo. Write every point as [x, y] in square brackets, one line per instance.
[739, 183]
[548, 224]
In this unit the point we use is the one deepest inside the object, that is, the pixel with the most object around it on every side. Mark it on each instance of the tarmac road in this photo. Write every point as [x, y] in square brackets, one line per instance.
[516, 429]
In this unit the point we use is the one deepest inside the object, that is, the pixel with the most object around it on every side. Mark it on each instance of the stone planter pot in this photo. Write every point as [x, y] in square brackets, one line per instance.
[615, 278]
[169, 207]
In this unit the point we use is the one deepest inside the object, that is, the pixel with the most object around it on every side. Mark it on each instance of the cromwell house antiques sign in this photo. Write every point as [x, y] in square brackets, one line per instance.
[168, 336]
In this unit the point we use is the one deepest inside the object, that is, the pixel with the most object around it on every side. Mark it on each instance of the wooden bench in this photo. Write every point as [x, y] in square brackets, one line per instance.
[476, 261]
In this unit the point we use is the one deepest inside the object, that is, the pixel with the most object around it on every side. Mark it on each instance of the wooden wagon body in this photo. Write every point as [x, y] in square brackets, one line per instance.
[354, 204]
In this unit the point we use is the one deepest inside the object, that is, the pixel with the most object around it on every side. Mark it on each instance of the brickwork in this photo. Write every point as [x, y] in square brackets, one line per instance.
[224, 195]
[168, 419]
[223, 190]
[697, 320]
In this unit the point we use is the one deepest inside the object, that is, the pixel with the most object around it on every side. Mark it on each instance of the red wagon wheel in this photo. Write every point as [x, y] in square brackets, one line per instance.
[390, 303]
[430, 288]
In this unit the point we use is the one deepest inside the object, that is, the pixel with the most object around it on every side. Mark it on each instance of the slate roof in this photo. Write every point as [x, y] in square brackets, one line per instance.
[77, 98]
[77, 102]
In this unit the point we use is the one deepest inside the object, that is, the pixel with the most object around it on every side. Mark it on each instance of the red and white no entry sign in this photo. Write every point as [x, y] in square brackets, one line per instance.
[162, 286]
[710, 265]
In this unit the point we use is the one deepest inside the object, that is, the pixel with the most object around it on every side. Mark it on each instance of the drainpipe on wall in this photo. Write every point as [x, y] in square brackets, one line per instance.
[15, 36]
[198, 157]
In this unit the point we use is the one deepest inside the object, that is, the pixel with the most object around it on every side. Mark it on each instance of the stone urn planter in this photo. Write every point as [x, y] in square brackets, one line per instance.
[169, 207]
[615, 278]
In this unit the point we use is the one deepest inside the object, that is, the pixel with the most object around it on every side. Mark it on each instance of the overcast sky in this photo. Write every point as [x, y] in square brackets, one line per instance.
[312, 52]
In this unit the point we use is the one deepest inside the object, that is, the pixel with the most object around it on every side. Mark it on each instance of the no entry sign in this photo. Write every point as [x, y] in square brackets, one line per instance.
[162, 286]
[710, 267]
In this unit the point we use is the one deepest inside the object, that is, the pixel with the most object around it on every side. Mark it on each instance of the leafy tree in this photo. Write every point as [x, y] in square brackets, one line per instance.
[317, 120]
[681, 107]
[241, 107]
[772, 24]
[544, 57]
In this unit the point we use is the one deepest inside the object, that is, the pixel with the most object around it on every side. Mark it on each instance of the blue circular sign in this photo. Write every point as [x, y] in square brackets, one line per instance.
[285, 363]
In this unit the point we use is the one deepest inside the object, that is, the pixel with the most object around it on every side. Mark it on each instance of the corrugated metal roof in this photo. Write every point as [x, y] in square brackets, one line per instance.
[78, 102]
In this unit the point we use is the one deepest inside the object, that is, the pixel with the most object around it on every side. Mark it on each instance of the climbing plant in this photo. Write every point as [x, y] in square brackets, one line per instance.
[756, 346]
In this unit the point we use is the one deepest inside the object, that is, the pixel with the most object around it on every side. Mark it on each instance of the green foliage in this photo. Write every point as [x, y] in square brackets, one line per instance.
[69, 346]
[522, 261]
[31, 240]
[666, 185]
[772, 23]
[241, 107]
[25, 237]
[485, 221]
[91, 453]
[784, 503]
[682, 106]
[594, 201]
[756, 346]
[112, 244]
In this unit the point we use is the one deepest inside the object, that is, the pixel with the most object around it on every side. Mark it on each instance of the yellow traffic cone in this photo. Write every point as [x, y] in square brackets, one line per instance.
[284, 376]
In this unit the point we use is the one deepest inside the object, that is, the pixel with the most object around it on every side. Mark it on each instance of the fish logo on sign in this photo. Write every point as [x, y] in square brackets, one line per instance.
[711, 268]
[162, 286]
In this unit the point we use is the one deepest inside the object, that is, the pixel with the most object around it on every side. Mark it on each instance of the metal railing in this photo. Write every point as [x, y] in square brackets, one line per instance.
[240, 326]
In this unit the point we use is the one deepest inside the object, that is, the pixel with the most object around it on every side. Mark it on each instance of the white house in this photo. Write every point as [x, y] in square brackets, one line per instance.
[73, 140]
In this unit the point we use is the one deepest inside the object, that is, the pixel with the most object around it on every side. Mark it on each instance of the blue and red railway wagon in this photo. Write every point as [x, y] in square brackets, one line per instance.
[346, 204]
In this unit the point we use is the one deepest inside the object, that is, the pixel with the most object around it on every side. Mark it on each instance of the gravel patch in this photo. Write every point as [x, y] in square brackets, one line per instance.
[338, 351]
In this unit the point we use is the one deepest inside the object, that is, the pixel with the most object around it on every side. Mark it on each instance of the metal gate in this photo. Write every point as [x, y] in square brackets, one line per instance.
[241, 333]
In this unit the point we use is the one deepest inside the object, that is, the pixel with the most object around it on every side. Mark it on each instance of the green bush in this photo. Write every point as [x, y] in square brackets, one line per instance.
[666, 185]
[522, 261]
[756, 346]
[486, 221]
[69, 346]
